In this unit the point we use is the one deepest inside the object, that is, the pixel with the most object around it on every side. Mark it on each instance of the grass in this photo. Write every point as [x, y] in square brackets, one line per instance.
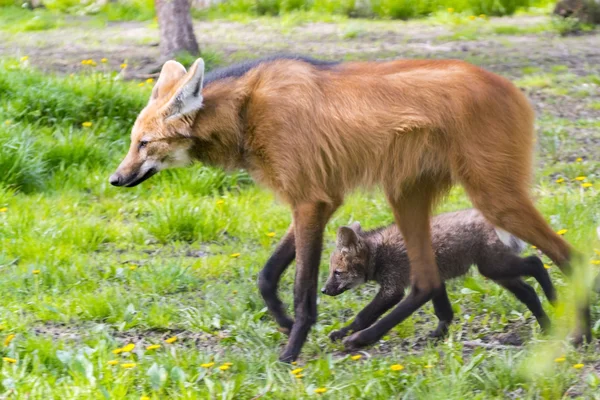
[395, 9]
[53, 15]
[87, 268]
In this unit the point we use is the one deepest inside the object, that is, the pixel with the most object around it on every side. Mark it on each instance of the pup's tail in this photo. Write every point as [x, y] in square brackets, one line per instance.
[510, 241]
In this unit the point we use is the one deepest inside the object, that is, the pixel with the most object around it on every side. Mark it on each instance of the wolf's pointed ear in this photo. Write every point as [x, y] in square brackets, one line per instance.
[346, 237]
[170, 74]
[188, 98]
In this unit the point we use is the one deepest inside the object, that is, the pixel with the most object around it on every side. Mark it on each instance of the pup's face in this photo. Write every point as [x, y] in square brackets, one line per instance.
[348, 263]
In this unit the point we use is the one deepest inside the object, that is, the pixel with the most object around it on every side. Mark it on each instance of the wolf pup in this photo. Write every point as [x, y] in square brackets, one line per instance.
[460, 239]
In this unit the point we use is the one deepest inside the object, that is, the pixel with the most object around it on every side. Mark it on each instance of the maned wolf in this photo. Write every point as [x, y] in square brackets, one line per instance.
[460, 239]
[313, 131]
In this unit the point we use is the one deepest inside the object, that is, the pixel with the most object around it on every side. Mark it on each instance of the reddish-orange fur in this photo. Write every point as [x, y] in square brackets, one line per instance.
[414, 127]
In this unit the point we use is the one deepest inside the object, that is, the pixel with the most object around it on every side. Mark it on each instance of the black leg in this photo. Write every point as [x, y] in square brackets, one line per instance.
[536, 268]
[269, 277]
[383, 301]
[516, 267]
[415, 299]
[527, 295]
[443, 310]
[309, 223]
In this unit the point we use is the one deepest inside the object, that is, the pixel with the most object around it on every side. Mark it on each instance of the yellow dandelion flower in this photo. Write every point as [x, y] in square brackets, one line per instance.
[117, 351]
[149, 80]
[7, 122]
[482, 16]
[141, 84]
[578, 366]
[235, 292]
[171, 339]
[86, 124]
[144, 398]
[297, 370]
[128, 365]
[153, 347]
[224, 367]
[104, 60]
[561, 232]
[580, 178]
[560, 359]
[533, 247]
[546, 266]
[397, 367]
[133, 267]
[296, 363]
[579, 159]
[597, 251]
[586, 185]
[24, 58]
[356, 357]
[235, 255]
[92, 63]
[472, 17]
[451, 10]
[84, 62]
[428, 366]
[128, 348]
[229, 364]
[124, 65]
[113, 362]
[8, 339]
[219, 202]
[271, 234]
[299, 376]
[35, 271]
[560, 180]
[595, 262]
[3, 210]
[207, 365]
[320, 390]
[9, 360]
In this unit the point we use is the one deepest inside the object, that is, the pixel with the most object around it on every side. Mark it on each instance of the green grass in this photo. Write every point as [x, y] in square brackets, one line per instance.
[87, 268]
[396, 9]
[323, 10]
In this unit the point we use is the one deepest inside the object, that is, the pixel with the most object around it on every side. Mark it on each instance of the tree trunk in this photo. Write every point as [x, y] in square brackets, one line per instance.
[176, 29]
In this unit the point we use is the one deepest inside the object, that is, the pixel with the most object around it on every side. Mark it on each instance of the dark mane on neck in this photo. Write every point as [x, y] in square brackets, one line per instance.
[240, 69]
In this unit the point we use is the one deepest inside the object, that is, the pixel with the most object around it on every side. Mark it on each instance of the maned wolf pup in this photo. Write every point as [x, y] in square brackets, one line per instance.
[460, 239]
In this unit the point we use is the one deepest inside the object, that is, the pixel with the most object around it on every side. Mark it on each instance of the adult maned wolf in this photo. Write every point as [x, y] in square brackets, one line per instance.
[312, 131]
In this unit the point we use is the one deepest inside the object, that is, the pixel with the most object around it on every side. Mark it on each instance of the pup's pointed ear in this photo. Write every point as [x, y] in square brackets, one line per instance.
[170, 74]
[346, 237]
[355, 226]
[188, 98]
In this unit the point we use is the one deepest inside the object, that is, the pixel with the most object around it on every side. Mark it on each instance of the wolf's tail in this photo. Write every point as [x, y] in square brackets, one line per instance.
[511, 241]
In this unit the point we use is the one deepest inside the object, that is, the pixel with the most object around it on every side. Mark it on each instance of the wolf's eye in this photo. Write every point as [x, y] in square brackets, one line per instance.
[143, 143]
[337, 272]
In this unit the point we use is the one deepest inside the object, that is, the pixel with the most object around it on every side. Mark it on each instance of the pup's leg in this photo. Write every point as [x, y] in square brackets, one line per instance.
[443, 310]
[527, 295]
[383, 301]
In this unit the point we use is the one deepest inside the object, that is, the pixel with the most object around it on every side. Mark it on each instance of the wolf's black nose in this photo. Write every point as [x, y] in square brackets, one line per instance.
[115, 179]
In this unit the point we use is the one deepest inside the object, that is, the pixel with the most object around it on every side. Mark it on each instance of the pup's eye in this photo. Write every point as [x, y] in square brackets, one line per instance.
[143, 143]
[337, 273]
